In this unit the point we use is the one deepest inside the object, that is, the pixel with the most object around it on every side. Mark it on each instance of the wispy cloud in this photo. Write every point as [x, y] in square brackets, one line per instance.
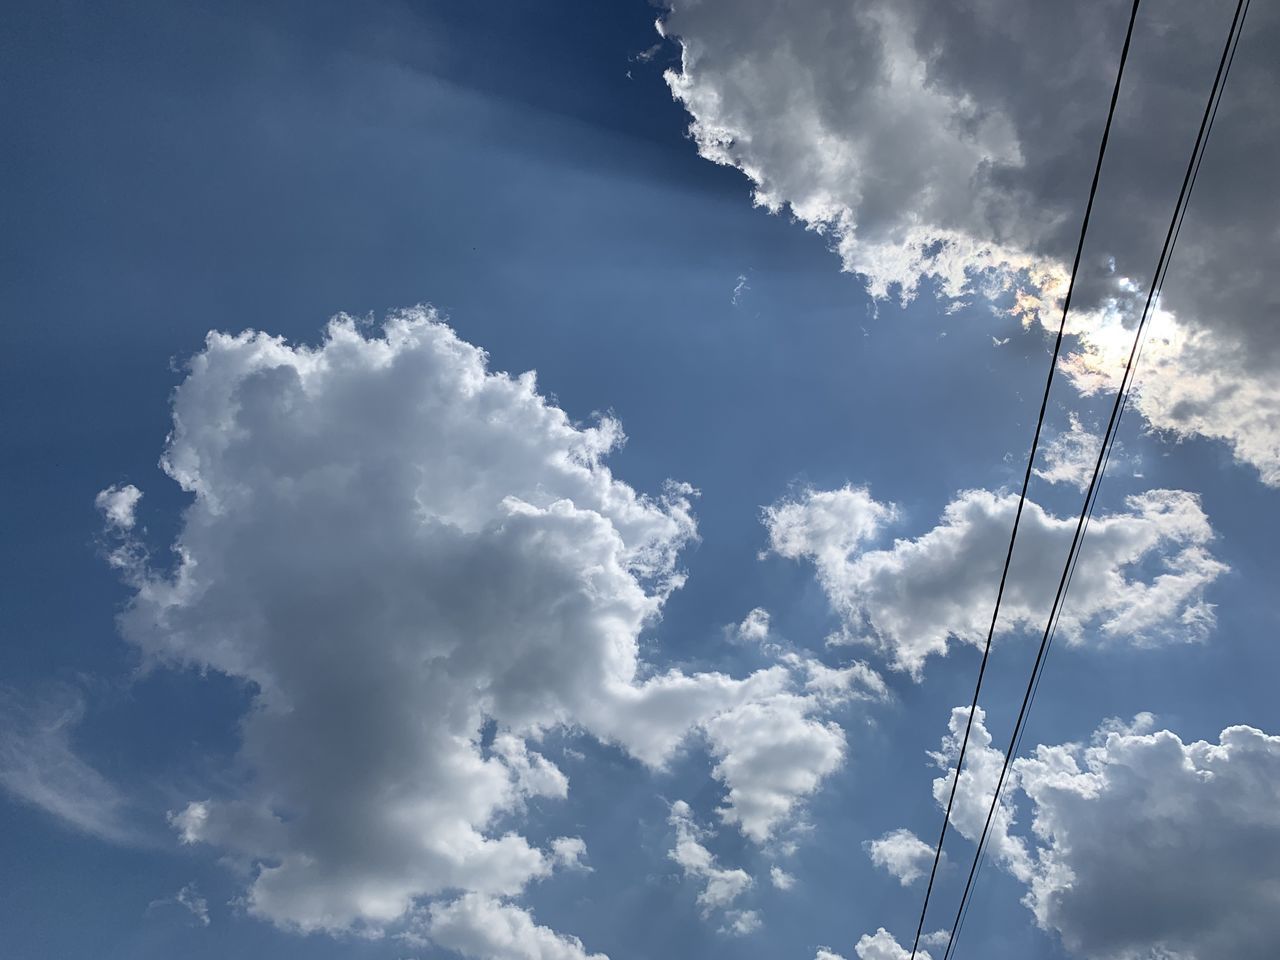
[40, 767]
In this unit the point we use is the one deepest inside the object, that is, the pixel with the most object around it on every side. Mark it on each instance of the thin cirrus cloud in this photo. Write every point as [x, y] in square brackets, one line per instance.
[41, 767]
[943, 147]
[395, 547]
[911, 600]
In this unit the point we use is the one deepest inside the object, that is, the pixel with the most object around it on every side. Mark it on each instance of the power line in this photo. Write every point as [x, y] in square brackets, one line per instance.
[1225, 62]
[1026, 479]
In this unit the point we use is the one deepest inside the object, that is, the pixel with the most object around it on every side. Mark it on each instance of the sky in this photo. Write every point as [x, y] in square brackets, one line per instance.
[526, 482]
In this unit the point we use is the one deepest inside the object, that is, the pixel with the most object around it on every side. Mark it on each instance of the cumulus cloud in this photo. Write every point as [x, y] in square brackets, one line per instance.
[118, 504]
[881, 945]
[40, 766]
[1070, 456]
[913, 598]
[721, 887]
[1131, 828]
[1124, 831]
[942, 145]
[421, 567]
[982, 763]
[902, 853]
[775, 750]
[569, 853]
[754, 628]
[781, 879]
[739, 923]
[481, 928]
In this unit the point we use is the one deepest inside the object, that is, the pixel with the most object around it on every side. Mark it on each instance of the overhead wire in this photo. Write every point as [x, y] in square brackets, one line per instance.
[1026, 480]
[1225, 62]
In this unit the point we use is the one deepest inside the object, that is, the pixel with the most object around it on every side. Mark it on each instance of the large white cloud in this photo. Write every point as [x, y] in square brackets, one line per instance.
[913, 598]
[954, 142]
[1141, 846]
[420, 567]
[480, 928]
[1154, 848]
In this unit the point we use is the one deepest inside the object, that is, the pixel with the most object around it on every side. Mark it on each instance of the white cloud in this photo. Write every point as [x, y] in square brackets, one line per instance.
[754, 628]
[939, 142]
[739, 923]
[532, 774]
[771, 754]
[781, 879]
[481, 928]
[118, 504]
[902, 853]
[1071, 456]
[982, 763]
[1152, 847]
[39, 765]
[720, 887]
[1123, 833]
[775, 750]
[569, 853]
[190, 898]
[882, 945]
[395, 547]
[913, 598]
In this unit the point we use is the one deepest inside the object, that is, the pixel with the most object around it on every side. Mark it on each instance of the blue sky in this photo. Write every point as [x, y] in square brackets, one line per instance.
[528, 173]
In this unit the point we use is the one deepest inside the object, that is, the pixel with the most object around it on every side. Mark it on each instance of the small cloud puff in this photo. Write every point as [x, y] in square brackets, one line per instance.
[117, 504]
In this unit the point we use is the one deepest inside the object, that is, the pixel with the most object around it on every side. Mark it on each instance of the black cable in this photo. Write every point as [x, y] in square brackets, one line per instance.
[1125, 403]
[1026, 480]
[1104, 454]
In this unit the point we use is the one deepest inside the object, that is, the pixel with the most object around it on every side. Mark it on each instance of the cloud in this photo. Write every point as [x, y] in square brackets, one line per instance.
[720, 887]
[940, 146]
[1122, 833]
[118, 504]
[881, 945]
[420, 568]
[39, 765]
[739, 923]
[189, 899]
[771, 754]
[1131, 827]
[902, 853]
[912, 599]
[775, 750]
[754, 628]
[569, 851]
[481, 928]
[982, 763]
[781, 879]
[1070, 457]
[395, 547]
